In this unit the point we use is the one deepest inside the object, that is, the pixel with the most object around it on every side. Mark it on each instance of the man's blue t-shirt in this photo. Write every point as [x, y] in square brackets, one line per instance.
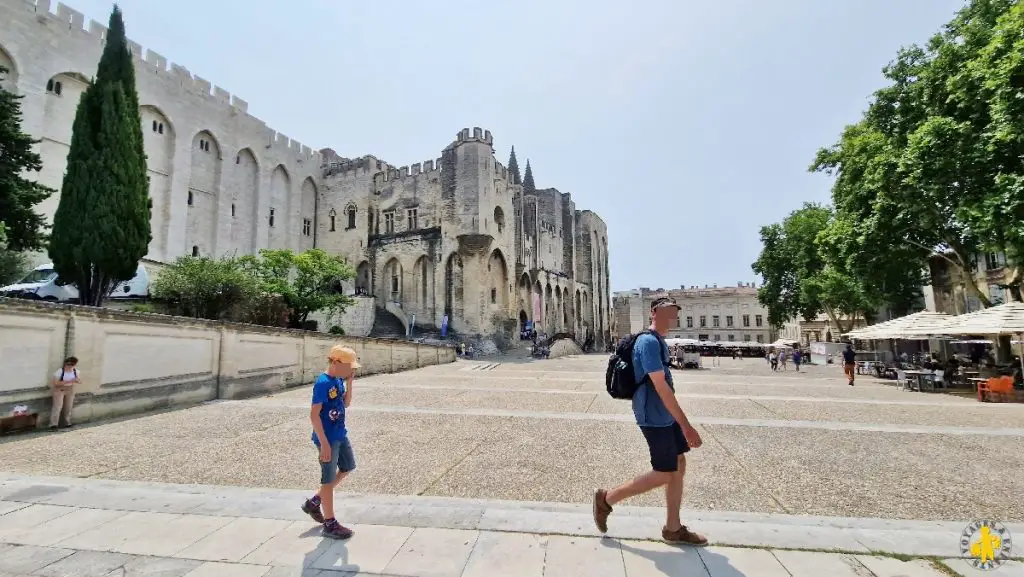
[849, 356]
[649, 354]
[329, 392]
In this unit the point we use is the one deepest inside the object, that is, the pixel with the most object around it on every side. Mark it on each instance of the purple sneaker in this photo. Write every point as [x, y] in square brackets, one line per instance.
[335, 530]
[313, 510]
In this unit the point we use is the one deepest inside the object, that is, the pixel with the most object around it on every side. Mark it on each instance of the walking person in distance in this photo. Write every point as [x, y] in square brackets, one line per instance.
[664, 425]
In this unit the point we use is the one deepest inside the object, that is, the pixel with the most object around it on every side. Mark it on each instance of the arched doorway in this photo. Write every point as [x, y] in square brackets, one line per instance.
[363, 279]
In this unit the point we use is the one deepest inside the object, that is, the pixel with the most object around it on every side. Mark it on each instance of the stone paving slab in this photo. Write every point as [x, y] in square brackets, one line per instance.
[265, 527]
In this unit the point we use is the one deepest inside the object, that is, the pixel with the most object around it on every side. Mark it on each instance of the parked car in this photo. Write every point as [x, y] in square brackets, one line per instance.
[41, 284]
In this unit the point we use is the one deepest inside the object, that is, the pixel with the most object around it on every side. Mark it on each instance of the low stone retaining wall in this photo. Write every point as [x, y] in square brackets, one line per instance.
[135, 362]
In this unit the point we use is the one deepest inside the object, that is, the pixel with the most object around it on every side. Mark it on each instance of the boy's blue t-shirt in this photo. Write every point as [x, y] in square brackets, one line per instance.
[329, 392]
[649, 354]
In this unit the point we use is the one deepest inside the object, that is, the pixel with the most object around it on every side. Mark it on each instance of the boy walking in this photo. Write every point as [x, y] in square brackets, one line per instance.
[668, 432]
[332, 393]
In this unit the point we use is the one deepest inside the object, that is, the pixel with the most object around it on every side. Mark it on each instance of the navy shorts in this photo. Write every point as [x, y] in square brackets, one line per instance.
[342, 459]
[666, 444]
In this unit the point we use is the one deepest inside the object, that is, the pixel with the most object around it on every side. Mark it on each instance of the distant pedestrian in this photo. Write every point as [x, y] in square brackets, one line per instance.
[796, 359]
[849, 362]
[332, 394]
[668, 432]
[773, 359]
[63, 389]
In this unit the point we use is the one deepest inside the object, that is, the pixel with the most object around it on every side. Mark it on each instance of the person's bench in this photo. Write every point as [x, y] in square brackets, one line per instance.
[14, 423]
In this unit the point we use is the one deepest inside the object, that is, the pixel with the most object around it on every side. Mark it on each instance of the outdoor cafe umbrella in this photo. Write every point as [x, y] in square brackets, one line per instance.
[1001, 320]
[909, 327]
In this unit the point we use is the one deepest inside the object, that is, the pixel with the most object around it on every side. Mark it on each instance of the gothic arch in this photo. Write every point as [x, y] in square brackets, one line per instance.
[277, 211]
[363, 278]
[538, 304]
[307, 213]
[203, 193]
[548, 308]
[55, 131]
[559, 324]
[454, 305]
[419, 297]
[566, 309]
[244, 212]
[525, 301]
[497, 269]
[10, 81]
[158, 141]
[392, 281]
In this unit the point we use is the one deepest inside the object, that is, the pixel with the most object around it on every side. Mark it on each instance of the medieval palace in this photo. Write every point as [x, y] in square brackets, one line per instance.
[461, 237]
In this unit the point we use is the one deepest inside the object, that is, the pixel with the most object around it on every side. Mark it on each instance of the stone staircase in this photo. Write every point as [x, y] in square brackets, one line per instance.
[386, 325]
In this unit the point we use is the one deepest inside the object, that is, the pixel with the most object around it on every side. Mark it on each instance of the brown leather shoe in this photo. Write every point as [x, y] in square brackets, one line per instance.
[683, 536]
[601, 510]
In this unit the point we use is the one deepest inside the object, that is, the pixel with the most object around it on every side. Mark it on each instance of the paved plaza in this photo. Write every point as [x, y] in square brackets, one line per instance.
[498, 459]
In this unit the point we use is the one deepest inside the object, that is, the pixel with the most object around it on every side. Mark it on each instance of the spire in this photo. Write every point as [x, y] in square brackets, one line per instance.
[528, 185]
[513, 167]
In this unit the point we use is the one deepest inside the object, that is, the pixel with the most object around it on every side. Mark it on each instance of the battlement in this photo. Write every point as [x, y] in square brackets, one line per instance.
[476, 135]
[417, 170]
[346, 167]
[64, 16]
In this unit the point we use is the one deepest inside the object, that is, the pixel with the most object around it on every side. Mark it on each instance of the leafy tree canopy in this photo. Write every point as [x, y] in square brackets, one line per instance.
[309, 281]
[26, 228]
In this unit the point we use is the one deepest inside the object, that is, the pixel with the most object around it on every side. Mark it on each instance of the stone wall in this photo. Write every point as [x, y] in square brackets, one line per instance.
[132, 362]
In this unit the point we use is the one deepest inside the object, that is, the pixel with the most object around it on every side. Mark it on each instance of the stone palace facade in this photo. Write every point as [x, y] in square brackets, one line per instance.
[459, 236]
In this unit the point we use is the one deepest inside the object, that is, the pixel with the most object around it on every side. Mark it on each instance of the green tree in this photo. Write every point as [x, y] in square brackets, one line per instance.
[206, 288]
[26, 228]
[101, 228]
[13, 264]
[798, 279]
[308, 282]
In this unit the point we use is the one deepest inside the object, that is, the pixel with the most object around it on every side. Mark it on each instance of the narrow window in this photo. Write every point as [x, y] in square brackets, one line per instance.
[494, 296]
[413, 219]
[232, 211]
[154, 126]
[307, 227]
[190, 198]
[195, 250]
[160, 128]
[49, 85]
[238, 159]
[331, 216]
[271, 220]
[351, 217]
[389, 222]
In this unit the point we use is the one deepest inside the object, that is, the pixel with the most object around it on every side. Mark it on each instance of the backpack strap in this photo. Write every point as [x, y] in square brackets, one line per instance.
[661, 351]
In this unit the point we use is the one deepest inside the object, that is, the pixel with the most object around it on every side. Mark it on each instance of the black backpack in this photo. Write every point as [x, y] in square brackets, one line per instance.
[619, 379]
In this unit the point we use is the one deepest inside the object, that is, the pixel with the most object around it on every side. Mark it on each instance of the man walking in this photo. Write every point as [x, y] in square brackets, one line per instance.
[849, 362]
[668, 432]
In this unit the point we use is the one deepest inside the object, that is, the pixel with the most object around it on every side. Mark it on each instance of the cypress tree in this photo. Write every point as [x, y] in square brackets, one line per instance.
[513, 167]
[528, 186]
[26, 228]
[101, 227]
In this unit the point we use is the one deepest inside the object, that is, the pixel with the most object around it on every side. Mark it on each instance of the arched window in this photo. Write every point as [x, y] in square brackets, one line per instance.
[331, 215]
[351, 217]
[195, 250]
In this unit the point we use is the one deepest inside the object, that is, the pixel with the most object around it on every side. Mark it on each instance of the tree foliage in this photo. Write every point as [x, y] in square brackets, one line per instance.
[13, 264]
[308, 282]
[102, 225]
[936, 165]
[25, 228]
[206, 288]
[800, 277]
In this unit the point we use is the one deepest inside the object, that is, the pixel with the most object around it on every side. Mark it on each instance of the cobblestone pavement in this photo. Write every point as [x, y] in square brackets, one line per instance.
[57, 527]
[512, 429]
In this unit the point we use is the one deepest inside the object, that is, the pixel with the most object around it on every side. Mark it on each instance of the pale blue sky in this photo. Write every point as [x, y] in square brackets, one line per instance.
[686, 125]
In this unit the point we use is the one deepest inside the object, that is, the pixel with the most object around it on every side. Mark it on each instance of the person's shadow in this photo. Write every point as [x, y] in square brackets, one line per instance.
[329, 555]
[675, 561]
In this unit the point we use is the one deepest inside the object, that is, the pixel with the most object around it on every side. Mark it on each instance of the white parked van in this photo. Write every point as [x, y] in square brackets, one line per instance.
[41, 284]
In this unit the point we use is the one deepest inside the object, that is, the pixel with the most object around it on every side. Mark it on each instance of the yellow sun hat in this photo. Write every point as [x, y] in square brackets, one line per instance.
[344, 355]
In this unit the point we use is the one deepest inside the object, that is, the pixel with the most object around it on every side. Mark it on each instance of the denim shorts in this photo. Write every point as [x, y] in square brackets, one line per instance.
[666, 444]
[342, 459]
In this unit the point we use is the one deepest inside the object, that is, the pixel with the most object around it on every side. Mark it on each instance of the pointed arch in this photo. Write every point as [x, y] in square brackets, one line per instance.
[363, 278]
[10, 80]
[454, 305]
[392, 280]
[203, 192]
[277, 211]
[307, 212]
[419, 297]
[159, 143]
[243, 187]
[497, 268]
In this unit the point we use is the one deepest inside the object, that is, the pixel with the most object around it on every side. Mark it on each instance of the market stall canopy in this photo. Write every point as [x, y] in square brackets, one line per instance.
[914, 327]
[1004, 319]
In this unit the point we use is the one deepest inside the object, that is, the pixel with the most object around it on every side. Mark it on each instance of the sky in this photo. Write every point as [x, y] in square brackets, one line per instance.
[685, 125]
